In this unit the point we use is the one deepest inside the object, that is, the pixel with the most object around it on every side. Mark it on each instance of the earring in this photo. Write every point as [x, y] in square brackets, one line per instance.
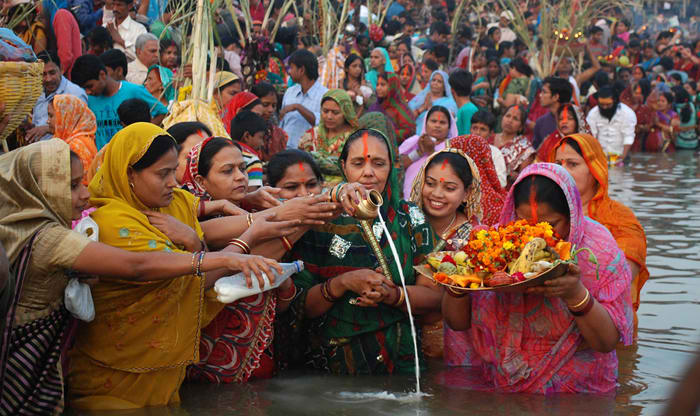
[131, 184]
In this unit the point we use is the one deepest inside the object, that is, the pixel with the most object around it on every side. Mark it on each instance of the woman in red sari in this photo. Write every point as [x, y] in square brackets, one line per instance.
[244, 100]
[639, 103]
[392, 104]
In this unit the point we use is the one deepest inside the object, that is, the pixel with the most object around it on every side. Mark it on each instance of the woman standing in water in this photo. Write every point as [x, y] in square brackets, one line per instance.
[559, 337]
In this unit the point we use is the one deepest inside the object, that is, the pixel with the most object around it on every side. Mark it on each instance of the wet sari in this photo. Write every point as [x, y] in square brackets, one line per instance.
[154, 326]
[35, 215]
[353, 340]
[394, 107]
[531, 343]
[325, 148]
[615, 216]
[75, 124]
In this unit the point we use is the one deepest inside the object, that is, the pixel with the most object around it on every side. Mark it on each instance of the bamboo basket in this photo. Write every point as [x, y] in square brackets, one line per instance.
[20, 87]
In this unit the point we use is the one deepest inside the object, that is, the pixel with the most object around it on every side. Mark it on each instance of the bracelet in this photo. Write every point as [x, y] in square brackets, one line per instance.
[326, 292]
[249, 218]
[586, 309]
[455, 294]
[335, 192]
[402, 297]
[240, 244]
[198, 271]
[194, 258]
[201, 209]
[289, 299]
[578, 305]
[285, 242]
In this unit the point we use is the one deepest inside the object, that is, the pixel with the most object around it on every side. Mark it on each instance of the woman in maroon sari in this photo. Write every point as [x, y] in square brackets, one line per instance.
[639, 103]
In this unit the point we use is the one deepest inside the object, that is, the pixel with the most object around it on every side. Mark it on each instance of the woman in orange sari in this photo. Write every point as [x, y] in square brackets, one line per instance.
[72, 121]
[583, 157]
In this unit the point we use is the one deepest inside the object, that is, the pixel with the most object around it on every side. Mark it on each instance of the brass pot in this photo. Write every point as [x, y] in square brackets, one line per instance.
[368, 208]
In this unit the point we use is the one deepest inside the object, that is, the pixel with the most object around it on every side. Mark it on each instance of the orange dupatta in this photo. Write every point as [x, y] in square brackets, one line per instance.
[75, 124]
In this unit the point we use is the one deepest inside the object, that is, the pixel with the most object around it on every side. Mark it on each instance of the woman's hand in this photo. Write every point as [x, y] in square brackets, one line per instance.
[567, 287]
[371, 286]
[426, 145]
[179, 233]
[263, 198]
[351, 195]
[253, 265]
[311, 210]
[267, 226]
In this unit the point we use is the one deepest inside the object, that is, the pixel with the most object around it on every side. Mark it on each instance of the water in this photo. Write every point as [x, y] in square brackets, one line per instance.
[664, 192]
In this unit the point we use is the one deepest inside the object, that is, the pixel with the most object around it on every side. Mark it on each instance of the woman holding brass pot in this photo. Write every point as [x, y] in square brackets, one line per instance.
[351, 293]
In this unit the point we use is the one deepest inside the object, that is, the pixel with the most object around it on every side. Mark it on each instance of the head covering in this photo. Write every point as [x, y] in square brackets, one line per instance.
[34, 192]
[75, 124]
[447, 101]
[615, 216]
[411, 144]
[492, 194]
[394, 107]
[378, 121]
[223, 78]
[411, 70]
[316, 139]
[237, 103]
[52, 6]
[192, 170]
[197, 110]
[166, 78]
[472, 207]
[372, 74]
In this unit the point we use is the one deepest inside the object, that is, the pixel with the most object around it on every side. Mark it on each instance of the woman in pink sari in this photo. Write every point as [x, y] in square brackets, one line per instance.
[559, 337]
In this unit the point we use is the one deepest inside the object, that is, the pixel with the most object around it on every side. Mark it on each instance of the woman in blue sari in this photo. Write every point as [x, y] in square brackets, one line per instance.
[437, 92]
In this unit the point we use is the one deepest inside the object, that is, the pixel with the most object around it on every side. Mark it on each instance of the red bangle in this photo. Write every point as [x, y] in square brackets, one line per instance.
[201, 209]
[285, 242]
[586, 309]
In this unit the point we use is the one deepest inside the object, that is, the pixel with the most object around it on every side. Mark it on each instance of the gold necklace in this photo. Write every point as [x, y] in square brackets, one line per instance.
[445, 232]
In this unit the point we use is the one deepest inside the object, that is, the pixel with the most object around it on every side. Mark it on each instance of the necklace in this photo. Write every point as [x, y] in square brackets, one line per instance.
[445, 231]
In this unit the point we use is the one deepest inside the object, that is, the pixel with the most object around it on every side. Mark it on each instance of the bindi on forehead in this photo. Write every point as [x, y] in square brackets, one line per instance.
[301, 166]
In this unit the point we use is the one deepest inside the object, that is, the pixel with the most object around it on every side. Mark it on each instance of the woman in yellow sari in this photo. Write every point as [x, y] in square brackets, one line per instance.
[144, 335]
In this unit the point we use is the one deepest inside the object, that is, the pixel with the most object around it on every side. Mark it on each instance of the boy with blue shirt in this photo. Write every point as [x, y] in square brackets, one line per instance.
[106, 94]
[461, 84]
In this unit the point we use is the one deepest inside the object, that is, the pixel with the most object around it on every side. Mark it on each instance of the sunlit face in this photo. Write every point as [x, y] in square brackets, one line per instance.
[575, 164]
[355, 69]
[225, 94]
[298, 180]
[480, 129]
[79, 194]
[437, 87]
[566, 123]
[269, 105]
[331, 115]
[437, 125]
[511, 122]
[185, 148]
[377, 60]
[371, 168]
[52, 118]
[382, 88]
[545, 213]
[51, 77]
[227, 178]
[168, 57]
[154, 185]
[153, 83]
[443, 191]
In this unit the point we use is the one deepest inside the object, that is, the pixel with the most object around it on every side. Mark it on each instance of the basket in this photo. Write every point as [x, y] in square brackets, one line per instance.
[20, 87]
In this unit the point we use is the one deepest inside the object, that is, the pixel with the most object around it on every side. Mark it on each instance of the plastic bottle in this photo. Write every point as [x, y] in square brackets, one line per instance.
[231, 288]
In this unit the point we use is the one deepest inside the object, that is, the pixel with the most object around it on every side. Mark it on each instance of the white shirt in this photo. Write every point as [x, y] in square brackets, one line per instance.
[614, 134]
[129, 30]
[507, 33]
[293, 122]
[499, 162]
[136, 72]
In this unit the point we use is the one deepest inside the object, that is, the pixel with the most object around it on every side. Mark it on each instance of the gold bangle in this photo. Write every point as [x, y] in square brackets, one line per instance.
[289, 299]
[456, 294]
[402, 298]
[583, 302]
[285, 242]
[249, 218]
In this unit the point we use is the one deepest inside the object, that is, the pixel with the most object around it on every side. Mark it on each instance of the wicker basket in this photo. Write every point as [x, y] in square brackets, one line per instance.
[20, 87]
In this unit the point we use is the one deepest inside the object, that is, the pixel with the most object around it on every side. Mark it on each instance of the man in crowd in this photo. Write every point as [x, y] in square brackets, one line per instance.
[555, 91]
[301, 105]
[146, 55]
[613, 124]
[115, 63]
[54, 83]
[123, 29]
[503, 24]
[106, 95]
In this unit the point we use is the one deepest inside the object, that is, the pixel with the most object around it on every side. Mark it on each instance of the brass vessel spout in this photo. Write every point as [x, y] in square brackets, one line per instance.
[366, 211]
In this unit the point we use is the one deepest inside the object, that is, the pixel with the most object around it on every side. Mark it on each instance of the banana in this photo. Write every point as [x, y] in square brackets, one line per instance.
[528, 256]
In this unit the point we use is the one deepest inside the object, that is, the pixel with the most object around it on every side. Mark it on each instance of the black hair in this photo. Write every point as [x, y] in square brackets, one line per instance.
[134, 110]
[307, 60]
[596, 29]
[634, 43]
[441, 109]
[86, 68]
[484, 117]
[645, 86]
[693, 84]
[683, 98]
[114, 58]
[431, 65]
[523, 114]
[676, 76]
[503, 46]
[441, 51]
[492, 30]
[168, 42]
[546, 191]
[209, 150]
[47, 56]
[277, 167]
[159, 147]
[666, 62]
[246, 121]
[601, 79]
[561, 87]
[349, 61]
[99, 35]
[441, 28]
[263, 89]
[457, 163]
[571, 112]
[572, 144]
[356, 135]
[521, 66]
[181, 131]
[461, 82]
[607, 92]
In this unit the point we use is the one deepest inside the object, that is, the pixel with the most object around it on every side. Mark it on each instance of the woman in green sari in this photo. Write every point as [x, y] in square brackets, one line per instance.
[338, 121]
[357, 318]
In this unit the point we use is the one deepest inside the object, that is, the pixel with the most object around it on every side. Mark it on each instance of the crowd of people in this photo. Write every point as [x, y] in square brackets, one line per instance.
[456, 130]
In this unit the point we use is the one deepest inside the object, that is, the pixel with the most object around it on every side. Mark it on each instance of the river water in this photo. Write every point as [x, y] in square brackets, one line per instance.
[664, 193]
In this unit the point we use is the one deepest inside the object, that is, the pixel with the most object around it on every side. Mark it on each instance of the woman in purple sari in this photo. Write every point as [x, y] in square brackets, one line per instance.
[559, 337]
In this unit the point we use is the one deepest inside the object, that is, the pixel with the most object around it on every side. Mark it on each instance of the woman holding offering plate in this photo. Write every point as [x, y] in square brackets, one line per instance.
[561, 336]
